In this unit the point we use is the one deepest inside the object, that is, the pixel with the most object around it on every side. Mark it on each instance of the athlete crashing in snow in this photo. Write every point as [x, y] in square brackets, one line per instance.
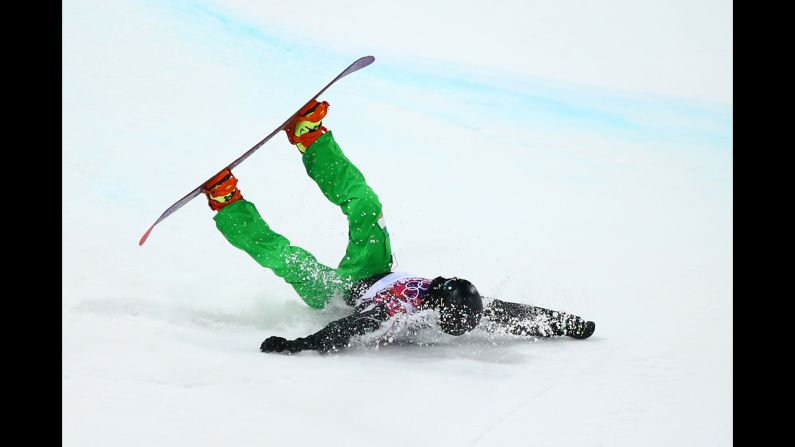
[364, 277]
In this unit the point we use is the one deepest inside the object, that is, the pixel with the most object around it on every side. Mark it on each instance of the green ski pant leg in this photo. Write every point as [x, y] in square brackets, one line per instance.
[369, 251]
[243, 227]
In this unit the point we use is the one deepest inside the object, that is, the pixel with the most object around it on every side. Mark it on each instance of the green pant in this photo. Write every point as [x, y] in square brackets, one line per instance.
[368, 253]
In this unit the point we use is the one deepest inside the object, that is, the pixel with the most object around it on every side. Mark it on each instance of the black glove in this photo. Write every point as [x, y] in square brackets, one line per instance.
[273, 344]
[280, 344]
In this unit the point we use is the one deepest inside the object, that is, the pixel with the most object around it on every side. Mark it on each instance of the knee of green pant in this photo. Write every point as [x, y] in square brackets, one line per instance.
[315, 299]
[315, 303]
[365, 208]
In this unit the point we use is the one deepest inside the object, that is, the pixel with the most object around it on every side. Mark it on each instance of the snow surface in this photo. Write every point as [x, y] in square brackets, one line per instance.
[611, 204]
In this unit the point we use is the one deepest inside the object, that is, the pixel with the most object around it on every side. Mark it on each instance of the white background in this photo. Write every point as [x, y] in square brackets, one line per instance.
[572, 155]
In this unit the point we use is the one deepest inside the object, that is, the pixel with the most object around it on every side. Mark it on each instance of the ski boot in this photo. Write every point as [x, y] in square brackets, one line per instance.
[307, 126]
[221, 190]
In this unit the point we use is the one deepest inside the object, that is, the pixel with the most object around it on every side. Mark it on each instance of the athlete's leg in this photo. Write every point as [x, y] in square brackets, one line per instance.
[243, 227]
[369, 251]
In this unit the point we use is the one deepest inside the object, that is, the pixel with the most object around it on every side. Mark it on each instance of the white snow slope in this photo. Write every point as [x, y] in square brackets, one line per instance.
[613, 204]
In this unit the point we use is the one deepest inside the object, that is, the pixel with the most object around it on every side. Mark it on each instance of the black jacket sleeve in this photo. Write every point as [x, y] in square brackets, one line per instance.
[524, 319]
[334, 336]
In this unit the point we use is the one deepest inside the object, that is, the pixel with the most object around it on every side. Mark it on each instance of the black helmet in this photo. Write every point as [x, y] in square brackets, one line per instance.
[458, 302]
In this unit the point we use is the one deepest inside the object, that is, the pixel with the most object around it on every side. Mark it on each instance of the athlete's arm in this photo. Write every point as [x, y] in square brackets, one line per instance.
[524, 319]
[334, 336]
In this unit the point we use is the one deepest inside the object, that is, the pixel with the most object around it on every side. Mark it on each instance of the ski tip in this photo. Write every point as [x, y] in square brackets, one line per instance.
[365, 61]
[146, 235]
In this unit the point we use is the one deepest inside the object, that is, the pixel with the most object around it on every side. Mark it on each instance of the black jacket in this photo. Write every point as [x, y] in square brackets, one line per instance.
[498, 316]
